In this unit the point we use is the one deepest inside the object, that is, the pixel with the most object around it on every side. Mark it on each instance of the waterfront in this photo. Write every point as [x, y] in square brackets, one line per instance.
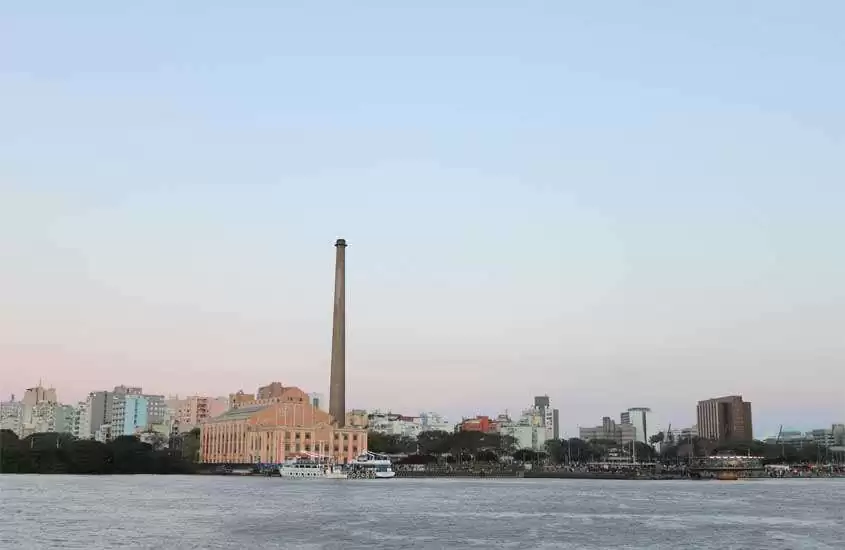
[199, 512]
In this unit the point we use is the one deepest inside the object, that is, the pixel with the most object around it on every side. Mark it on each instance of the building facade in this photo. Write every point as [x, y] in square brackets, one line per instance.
[194, 410]
[266, 395]
[65, 418]
[95, 412]
[394, 424]
[478, 424]
[526, 436]
[156, 409]
[550, 416]
[432, 422]
[640, 418]
[11, 416]
[609, 431]
[271, 390]
[38, 410]
[271, 433]
[725, 419]
[133, 416]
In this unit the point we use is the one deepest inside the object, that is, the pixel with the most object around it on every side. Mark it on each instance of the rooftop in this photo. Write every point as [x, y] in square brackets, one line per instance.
[240, 413]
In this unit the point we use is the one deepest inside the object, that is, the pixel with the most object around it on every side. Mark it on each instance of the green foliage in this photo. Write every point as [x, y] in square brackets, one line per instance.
[191, 446]
[460, 446]
[771, 452]
[51, 453]
[390, 444]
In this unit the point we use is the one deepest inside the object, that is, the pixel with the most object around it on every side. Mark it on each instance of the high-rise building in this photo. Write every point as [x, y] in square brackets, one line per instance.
[11, 416]
[133, 416]
[65, 419]
[38, 410]
[725, 419]
[550, 417]
[97, 412]
[81, 421]
[156, 409]
[196, 409]
[639, 417]
[39, 394]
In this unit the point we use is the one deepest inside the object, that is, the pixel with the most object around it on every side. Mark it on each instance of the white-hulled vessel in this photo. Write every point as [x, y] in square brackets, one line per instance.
[312, 468]
[372, 465]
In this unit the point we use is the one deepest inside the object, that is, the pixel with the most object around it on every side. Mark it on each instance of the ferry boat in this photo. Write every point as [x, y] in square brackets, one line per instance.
[311, 468]
[372, 465]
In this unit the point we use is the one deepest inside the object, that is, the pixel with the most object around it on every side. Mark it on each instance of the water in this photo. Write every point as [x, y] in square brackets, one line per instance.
[170, 512]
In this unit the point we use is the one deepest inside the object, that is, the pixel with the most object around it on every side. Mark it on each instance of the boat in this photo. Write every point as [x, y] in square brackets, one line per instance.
[372, 465]
[311, 467]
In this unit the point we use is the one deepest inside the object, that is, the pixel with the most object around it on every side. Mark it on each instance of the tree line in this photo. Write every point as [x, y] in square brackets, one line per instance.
[60, 453]
[433, 446]
[461, 446]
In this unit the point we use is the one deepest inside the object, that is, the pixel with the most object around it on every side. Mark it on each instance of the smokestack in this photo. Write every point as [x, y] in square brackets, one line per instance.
[337, 389]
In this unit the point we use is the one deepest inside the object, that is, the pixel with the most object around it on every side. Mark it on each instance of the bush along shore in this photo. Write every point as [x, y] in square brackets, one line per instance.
[57, 453]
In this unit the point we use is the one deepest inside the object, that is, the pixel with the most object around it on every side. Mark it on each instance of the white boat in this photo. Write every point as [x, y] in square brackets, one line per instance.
[372, 465]
[311, 468]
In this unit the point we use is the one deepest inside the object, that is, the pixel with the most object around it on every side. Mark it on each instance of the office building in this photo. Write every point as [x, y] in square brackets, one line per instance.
[725, 419]
[132, 417]
[96, 412]
[38, 410]
[156, 409]
[196, 409]
[550, 416]
[65, 418]
[640, 418]
[609, 430]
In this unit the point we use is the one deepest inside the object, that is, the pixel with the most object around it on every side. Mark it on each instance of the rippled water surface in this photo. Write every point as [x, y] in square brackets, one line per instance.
[161, 512]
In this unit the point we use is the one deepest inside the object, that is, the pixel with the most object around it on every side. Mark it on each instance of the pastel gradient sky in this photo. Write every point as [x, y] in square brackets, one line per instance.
[618, 204]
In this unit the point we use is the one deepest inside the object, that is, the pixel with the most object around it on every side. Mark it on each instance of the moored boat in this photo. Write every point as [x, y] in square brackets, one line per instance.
[311, 468]
[372, 465]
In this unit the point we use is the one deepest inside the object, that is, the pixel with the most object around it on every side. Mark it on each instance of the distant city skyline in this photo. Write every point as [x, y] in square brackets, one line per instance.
[625, 415]
[636, 206]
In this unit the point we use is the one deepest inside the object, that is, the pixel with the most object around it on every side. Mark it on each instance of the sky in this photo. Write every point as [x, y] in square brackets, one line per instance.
[616, 204]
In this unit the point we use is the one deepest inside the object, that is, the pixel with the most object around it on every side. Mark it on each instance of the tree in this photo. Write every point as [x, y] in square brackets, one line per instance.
[644, 451]
[52, 453]
[157, 440]
[578, 450]
[13, 458]
[434, 442]
[556, 449]
[87, 456]
[657, 438]
[191, 445]
[507, 444]
[529, 455]
[378, 442]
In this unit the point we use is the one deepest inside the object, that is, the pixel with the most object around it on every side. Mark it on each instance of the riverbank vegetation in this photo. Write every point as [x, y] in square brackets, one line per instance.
[58, 453]
[461, 447]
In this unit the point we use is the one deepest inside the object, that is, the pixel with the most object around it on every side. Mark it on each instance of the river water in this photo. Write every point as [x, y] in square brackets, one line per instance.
[198, 512]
